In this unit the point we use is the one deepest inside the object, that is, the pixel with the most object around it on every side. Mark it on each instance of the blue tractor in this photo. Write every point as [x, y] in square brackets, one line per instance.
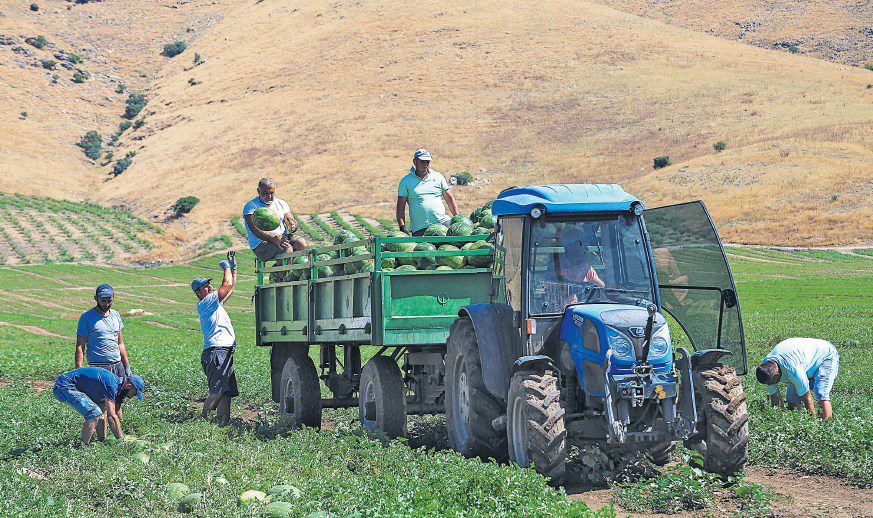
[576, 347]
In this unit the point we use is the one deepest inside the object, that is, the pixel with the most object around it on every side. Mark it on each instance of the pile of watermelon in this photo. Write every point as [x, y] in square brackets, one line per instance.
[333, 270]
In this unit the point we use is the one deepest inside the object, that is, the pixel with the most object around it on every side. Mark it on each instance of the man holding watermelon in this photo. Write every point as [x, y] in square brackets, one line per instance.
[270, 224]
[424, 190]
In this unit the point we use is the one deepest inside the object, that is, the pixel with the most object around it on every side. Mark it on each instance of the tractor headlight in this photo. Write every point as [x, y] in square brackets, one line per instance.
[660, 342]
[621, 347]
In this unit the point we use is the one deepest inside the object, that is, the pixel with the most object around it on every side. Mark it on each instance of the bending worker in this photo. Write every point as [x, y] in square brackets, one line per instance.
[424, 190]
[97, 393]
[809, 365]
[219, 340]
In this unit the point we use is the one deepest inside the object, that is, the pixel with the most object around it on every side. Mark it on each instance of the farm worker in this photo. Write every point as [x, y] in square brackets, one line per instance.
[219, 340]
[268, 244]
[97, 393]
[574, 265]
[809, 365]
[424, 190]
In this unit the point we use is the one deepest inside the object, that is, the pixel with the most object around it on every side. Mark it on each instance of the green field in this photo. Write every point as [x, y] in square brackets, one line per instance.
[340, 470]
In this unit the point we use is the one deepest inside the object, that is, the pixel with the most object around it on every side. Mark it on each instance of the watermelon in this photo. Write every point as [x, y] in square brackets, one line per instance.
[322, 270]
[405, 268]
[294, 275]
[437, 230]
[252, 495]
[355, 266]
[387, 269]
[279, 510]
[265, 219]
[389, 263]
[187, 504]
[425, 262]
[488, 220]
[460, 218]
[367, 267]
[482, 261]
[344, 236]
[284, 490]
[444, 268]
[476, 215]
[454, 262]
[488, 205]
[461, 229]
[142, 458]
[467, 246]
[221, 480]
[482, 231]
[399, 247]
[176, 491]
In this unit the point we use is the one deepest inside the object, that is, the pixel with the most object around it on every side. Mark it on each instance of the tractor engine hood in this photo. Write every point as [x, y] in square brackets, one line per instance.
[618, 319]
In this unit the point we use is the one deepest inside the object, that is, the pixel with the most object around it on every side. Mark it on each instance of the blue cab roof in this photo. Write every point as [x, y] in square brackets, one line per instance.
[564, 199]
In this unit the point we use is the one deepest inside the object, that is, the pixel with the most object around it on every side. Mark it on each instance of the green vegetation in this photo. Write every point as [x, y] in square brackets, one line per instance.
[721, 145]
[175, 48]
[92, 144]
[308, 230]
[369, 227]
[329, 230]
[122, 164]
[240, 227]
[661, 161]
[218, 243]
[345, 225]
[80, 76]
[388, 224]
[464, 177]
[139, 123]
[869, 66]
[38, 42]
[74, 58]
[134, 104]
[196, 58]
[120, 88]
[48, 64]
[184, 205]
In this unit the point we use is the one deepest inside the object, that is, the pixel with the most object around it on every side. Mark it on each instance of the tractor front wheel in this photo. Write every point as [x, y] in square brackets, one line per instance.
[725, 419]
[470, 408]
[535, 424]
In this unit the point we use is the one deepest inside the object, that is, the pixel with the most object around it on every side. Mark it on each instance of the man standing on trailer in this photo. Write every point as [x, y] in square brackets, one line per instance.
[219, 340]
[424, 190]
[809, 365]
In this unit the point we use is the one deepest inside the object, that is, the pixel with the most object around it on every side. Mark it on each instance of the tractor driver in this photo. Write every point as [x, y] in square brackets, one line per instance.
[574, 266]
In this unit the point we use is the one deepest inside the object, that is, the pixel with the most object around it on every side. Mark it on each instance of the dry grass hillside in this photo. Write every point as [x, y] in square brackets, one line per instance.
[332, 97]
[836, 30]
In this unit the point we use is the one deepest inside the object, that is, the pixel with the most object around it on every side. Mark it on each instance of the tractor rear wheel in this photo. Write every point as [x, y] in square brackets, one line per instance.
[535, 424]
[382, 397]
[470, 408]
[725, 419]
[300, 391]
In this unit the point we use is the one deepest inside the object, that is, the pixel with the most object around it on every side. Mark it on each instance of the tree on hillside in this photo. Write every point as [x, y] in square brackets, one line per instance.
[92, 144]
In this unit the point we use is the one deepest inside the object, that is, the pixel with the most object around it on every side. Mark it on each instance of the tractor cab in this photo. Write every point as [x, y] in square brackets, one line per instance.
[589, 287]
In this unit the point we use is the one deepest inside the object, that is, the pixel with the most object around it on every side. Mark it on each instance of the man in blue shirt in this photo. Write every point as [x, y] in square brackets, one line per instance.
[97, 393]
[219, 340]
[99, 333]
[809, 365]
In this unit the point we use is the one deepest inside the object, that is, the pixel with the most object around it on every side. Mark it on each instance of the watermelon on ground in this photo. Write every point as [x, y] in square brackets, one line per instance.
[284, 490]
[454, 262]
[176, 491]
[187, 504]
[252, 495]
[460, 218]
[482, 261]
[460, 229]
[344, 236]
[279, 510]
[265, 219]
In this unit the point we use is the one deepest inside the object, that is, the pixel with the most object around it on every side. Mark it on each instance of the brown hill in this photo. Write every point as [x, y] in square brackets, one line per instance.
[839, 31]
[332, 97]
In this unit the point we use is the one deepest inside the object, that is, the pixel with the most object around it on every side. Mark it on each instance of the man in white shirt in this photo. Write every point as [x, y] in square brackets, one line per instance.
[219, 340]
[268, 244]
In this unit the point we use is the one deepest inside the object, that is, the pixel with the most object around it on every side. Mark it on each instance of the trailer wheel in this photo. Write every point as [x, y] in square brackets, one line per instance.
[535, 424]
[660, 453]
[382, 401]
[470, 408]
[725, 419]
[300, 391]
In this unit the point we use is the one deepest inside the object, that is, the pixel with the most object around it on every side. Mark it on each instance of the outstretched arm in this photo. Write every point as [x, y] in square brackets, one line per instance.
[808, 402]
[229, 280]
[113, 419]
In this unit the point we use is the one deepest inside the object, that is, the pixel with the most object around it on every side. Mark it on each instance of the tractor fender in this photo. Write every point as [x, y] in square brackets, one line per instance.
[499, 343]
[537, 362]
[707, 357]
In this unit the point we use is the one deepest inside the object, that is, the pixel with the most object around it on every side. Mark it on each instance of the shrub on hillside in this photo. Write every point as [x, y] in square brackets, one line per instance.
[184, 205]
[175, 48]
[135, 104]
[139, 123]
[721, 145]
[123, 126]
[81, 76]
[38, 42]
[34, 7]
[120, 88]
[869, 66]
[464, 177]
[48, 64]
[92, 144]
[74, 58]
[661, 161]
[122, 165]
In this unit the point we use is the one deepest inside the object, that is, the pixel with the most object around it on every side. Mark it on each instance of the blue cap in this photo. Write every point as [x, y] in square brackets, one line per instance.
[422, 154]
[105, 290]
[199, 282]
[139, 384]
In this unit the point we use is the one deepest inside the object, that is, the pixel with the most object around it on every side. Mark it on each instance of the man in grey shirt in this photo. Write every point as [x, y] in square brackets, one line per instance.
[99, 333]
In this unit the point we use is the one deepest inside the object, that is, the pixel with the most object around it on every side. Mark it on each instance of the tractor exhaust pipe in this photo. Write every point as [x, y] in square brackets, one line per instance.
[647, 338]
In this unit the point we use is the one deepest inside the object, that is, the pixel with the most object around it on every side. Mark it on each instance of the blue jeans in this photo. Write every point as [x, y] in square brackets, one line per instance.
[78, 400]
[820, 384]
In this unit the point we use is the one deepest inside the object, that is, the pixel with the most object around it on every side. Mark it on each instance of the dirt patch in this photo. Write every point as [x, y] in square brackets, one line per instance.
[32, 329]
[796, 496]
[40, 386]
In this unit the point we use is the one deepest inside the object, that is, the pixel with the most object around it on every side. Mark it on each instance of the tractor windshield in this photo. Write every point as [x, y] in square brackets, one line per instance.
[591, 261]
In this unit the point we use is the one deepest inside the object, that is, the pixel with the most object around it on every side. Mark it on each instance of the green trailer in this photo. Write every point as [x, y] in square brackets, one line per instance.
[340, 298]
